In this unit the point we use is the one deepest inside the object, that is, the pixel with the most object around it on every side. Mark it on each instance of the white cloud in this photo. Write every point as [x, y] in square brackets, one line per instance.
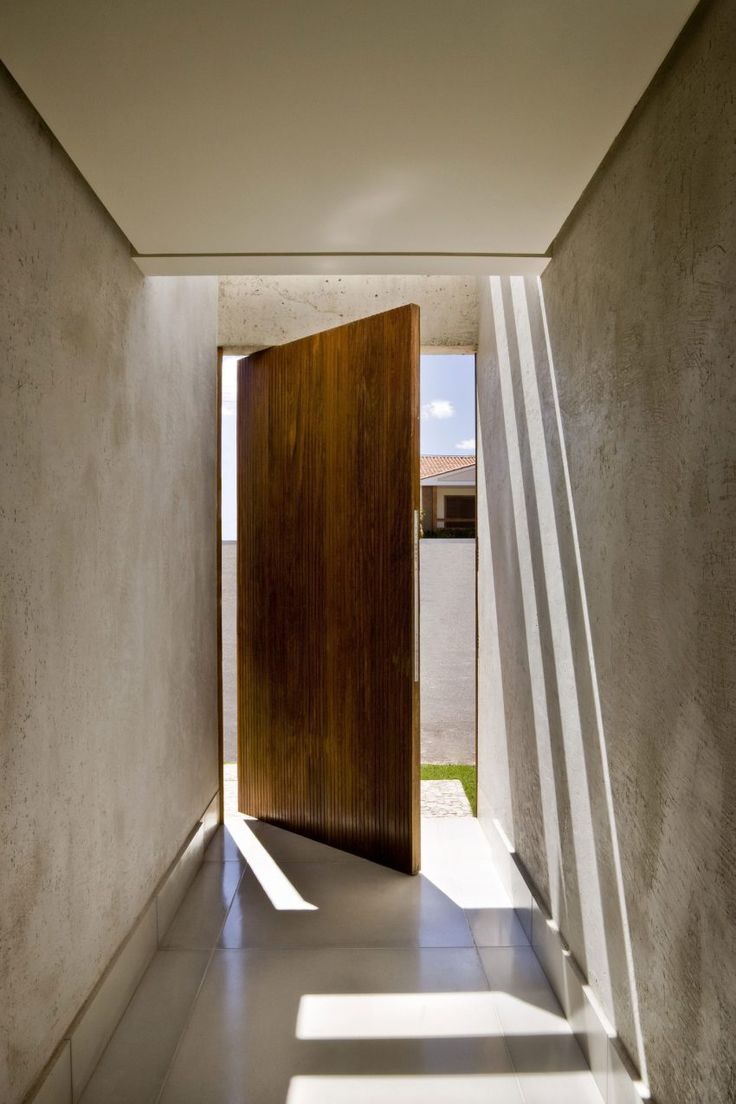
[438, 408]
[468, 445]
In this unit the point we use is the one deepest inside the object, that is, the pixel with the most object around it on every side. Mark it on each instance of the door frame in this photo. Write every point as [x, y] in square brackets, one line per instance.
[218, 483]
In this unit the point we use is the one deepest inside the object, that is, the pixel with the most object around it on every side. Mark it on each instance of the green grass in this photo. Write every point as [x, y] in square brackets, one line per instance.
[461, 771]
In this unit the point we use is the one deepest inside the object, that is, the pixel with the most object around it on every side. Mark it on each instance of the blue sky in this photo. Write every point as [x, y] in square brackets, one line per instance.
[229, 471]
[447, 419]
[448, 405]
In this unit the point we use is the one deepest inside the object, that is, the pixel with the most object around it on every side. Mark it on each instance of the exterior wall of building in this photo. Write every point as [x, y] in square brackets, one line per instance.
[427, 507]
[607, 597]
[107, 590]
[447, 646]
[229, 648]
[442, 493]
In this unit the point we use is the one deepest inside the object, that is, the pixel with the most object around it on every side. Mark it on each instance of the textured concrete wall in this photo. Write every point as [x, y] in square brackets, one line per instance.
[269, 310]
[447, 640]
[107, 585]
[607, 603]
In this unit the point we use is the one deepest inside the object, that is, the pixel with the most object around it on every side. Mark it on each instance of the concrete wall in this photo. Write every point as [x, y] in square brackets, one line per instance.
[107, 585]
[606, 544]
[269, 310]
[447, 640]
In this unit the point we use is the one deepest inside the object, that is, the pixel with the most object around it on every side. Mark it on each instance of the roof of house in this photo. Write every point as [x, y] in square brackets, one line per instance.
[437, 465]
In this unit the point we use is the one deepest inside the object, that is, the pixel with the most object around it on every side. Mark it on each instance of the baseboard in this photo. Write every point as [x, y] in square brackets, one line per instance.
[65, 1076]
[615, 1075]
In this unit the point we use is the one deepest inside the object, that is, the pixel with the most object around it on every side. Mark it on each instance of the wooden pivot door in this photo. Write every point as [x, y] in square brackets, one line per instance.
[328, 499]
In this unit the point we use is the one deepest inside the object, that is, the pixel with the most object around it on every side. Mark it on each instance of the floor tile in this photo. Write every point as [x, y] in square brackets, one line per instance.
[552, 1070]
[457, 858]
[241, 1044]
[286, 846]
[223, 848]
[515, 969]
[405, 1089]
[357, 986]
[546, 1056]
[198, 923]
[358, 904]
[133, 1067]
[525, 1001]
[496, 927]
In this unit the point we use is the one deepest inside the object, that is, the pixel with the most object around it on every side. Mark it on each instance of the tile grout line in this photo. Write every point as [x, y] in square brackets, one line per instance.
[245, 869]
[512, 1065]
[205, 972]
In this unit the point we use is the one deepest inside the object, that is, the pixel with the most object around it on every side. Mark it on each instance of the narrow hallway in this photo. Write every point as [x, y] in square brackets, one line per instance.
[306, 975]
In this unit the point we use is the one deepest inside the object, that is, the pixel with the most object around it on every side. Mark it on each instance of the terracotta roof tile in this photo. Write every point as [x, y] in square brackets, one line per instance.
[438, 465]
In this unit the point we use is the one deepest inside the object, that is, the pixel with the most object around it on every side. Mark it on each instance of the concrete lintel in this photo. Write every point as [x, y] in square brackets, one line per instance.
[355, 264]
[425, 350]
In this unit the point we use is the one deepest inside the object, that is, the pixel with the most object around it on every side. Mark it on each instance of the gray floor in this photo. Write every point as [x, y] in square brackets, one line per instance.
[382, 989]
[447, 649]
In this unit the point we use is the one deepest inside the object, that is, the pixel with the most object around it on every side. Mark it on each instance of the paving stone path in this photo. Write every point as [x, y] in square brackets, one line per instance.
[444, 798]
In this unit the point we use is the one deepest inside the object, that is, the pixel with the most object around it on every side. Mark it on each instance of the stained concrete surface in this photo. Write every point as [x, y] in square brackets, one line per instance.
[639, 299]
[269, 310]
[447, 672]
[107, 585]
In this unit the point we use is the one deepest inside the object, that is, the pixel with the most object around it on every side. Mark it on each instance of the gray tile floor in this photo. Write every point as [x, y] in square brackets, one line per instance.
[370, 987]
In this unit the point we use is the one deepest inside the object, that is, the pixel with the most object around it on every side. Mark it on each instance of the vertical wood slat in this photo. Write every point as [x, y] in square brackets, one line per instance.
[328, 482]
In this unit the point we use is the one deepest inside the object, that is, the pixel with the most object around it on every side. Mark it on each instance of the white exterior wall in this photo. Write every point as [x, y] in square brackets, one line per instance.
[447, 639]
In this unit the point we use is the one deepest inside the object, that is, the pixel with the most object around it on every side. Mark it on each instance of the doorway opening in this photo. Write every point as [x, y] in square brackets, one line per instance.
[447, 583]
[447, 588]
[229, 516]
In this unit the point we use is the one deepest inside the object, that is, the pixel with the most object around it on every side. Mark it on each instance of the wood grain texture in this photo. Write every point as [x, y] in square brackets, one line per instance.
[328, 481]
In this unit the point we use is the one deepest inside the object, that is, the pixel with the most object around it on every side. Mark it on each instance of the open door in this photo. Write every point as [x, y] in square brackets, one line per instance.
[328, 631]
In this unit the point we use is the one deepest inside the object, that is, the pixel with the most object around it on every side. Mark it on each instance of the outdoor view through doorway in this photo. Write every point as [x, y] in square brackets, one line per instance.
[447, 583]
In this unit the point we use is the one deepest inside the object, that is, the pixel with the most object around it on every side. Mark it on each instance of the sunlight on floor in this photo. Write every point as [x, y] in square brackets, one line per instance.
[282, 894]
[457, 858]
[396, 1016]
[388, 993]
[421, 1016]
[460, 1089]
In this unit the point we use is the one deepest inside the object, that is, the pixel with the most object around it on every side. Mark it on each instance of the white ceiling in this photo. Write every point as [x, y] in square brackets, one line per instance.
[462, 127]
